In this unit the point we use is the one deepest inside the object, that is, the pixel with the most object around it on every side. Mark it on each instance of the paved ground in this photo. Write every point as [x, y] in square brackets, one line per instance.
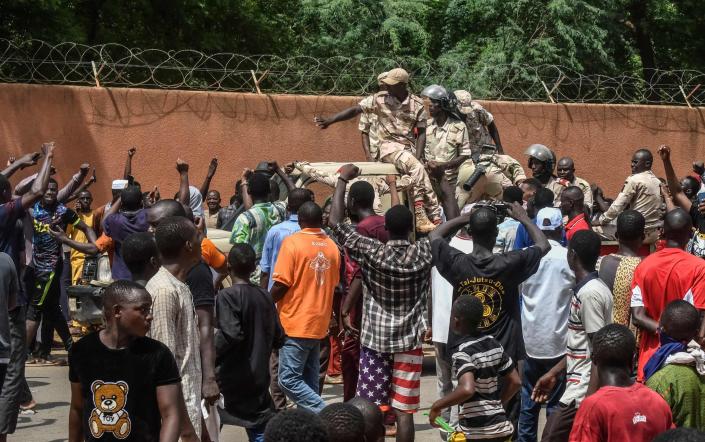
[50, 388]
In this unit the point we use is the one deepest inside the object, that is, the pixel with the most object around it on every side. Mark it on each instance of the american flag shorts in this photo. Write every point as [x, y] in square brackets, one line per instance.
[391, 379]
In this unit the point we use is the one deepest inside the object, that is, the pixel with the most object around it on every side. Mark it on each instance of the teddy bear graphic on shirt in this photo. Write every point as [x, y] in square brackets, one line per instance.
[109, 414]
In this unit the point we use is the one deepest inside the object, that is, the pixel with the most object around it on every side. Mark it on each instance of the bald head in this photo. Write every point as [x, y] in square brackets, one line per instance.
[572, 199]
[642, 161]
[565, 168]
[677, 227]
[164, 209]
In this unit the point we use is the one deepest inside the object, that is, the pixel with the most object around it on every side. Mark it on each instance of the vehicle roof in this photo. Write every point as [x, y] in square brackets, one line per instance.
[366, 168]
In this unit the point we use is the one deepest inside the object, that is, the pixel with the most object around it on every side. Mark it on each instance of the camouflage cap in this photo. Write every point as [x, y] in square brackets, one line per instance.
[396, 76]
[381, 77]
[464, 101]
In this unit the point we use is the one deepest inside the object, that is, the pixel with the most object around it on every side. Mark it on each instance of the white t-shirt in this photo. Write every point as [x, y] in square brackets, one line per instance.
[546, 305]
[442, 293]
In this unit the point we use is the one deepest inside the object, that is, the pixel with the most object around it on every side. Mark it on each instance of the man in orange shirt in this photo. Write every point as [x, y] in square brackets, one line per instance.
[305, 276]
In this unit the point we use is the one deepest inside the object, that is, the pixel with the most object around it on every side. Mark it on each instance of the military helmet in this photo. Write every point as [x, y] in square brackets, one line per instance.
[541, 153]
[435, 92]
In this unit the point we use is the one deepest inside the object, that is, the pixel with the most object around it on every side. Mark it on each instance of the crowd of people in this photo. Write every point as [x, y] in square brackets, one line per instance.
[533, 292]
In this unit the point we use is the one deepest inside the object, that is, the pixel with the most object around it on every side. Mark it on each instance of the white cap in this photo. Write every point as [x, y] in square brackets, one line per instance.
[549, 218]
[119, 184]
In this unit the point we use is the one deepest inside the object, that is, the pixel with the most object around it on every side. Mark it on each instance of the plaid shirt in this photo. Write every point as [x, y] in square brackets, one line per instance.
[396, 278]
[175, 325]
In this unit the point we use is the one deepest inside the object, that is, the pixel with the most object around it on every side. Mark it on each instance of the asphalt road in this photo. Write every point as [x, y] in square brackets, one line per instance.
[50, 387]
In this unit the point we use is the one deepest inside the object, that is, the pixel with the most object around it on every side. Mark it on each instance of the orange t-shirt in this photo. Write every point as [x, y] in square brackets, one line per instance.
[309, 264]
[211, 255]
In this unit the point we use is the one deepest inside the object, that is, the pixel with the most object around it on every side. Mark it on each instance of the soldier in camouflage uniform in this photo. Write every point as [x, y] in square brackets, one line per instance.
[447, 142]
[481, 127]
[542, 160]
[501, 171]
[566, 170]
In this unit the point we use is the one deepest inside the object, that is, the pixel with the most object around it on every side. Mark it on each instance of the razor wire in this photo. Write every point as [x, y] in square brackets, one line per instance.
[116, 65]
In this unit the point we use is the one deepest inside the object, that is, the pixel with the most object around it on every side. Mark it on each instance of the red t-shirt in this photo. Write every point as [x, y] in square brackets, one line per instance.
[576, 224]
[662, 277]
[621, 414]
[371, 227]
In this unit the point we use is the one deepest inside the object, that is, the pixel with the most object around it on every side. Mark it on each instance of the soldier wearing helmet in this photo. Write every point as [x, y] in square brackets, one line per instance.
[542, 161]
[447, 142]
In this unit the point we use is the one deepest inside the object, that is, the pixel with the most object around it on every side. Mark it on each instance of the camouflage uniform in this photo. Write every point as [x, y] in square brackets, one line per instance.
[502, 171]
[476, 118]
[379, 184]
[641, 192]
[396, 122]
[446, 143]
[368, 124]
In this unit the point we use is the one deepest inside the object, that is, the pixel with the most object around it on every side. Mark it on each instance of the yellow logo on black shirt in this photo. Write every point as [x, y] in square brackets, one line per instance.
[489, 292]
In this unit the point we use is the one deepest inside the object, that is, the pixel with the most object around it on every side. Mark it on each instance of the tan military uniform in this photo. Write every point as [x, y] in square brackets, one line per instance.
[396, 122]
[557, 185]
[587, 191]
[379, 184]
[502, 172]
[368, 125]
[446, 143]
[477, 119]
[641, 192]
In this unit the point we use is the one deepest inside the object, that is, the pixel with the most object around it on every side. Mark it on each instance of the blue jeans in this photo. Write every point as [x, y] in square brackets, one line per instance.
[529, 415]
[298, 372]
[255, 434]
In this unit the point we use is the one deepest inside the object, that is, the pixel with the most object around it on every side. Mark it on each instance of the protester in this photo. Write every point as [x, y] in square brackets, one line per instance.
[123, 384]
[542, 199]
[373, 419]
[90, 218]
[174, 322]
[343, 422]
[478, 363]
[248, 331]
[213, 205]
[296, 425]
[621, 410]
[305, 276]
[590, 310]
[662, 277]
[642, 193]
[676, 370]
[507, 229]
[545, 307]
[617, 269]
[139, 251]
[130, 219]
[9, 291]
[572, 206]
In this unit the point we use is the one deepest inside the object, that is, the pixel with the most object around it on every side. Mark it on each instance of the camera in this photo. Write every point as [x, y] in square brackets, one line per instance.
[500, 208]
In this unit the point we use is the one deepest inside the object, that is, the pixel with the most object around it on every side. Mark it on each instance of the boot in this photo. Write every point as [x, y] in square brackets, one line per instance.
[423, 224]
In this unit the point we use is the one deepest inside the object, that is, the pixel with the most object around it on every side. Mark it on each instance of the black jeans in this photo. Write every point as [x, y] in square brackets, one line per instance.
[44, 305]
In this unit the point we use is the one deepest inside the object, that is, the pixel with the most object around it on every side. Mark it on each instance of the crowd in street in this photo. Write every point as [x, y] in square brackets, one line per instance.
[534, 292]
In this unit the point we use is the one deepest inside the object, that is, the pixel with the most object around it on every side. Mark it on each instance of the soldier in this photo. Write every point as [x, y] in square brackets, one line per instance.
[401, 126]
[367, 124]
[481, 126]
[566, 170]
[541, 162]
[501, 171]
[641, 192]
[447, 143]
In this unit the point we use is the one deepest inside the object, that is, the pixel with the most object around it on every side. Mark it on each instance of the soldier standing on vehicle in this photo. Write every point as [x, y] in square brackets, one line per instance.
[481, 126]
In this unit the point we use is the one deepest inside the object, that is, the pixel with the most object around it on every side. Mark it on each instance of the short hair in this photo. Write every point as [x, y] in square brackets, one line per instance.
[85, 191]
[681, 320]
[512, 194]
[258, 185]
[573, 193]
[543, 198]
[214, 192]
[586, 245]
[51, 180]
[399, 220]
[677, 225]
[242, 259]
[630, 225]
[373, 417]
[692, 181]
[131, 198]
[344, 422]
[137, 249]
[533, 183]
[646, 153]
[297, 197]
[363, 193]
[613, 346]
[310, 213]
[169, 208]
[681, 434]
[483, 223]
[295, 425]
[468, 308]
[172, 234]
[4, 184]
[122, 291]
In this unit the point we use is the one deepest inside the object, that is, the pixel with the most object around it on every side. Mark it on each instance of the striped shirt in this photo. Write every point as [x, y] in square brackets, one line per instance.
[482, 416]
[590, 310]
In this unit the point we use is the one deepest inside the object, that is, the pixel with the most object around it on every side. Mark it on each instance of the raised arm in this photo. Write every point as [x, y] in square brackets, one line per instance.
[128, 163]
[324, 122]
[23, 162]
[449, 228]
[86, 184]
[679, 198]
[39, 186]
[212, 167]
[65, 192]
[274, 167]
[337, 210]
[245, 188]
[518, 213]
[182, 168]
[393, 191]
